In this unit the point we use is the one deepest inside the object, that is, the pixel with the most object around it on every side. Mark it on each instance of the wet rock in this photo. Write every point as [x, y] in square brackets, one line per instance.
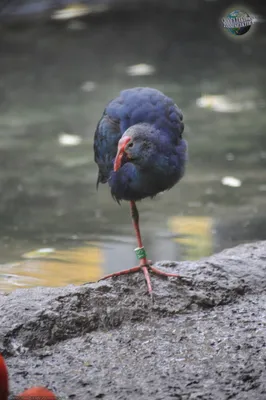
[202, 338]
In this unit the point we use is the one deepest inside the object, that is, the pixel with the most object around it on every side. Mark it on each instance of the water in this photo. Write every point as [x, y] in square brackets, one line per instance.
[55, 227]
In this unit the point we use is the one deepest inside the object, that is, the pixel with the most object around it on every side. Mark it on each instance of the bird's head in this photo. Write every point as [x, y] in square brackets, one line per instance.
[135, 146]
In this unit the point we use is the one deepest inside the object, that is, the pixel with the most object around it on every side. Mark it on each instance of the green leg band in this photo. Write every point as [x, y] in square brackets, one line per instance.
[140, 253]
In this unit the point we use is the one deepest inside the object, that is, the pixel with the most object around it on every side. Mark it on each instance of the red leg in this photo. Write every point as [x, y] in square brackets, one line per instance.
[145, 265]
[142, 257]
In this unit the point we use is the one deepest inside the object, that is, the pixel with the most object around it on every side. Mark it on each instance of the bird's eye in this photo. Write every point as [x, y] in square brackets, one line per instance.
[130, 144]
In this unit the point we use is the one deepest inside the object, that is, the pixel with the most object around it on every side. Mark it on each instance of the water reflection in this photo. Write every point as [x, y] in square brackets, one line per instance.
[197, 235]
[53, 267]
[54, 84]
[187, 238]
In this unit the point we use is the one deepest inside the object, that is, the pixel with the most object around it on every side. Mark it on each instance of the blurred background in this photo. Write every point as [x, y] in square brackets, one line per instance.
[60, 63]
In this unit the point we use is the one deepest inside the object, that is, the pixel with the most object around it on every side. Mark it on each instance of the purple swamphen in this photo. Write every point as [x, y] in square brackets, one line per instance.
[140, 152]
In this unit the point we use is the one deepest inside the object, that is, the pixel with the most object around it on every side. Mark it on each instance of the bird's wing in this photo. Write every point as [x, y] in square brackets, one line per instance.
[106, 138]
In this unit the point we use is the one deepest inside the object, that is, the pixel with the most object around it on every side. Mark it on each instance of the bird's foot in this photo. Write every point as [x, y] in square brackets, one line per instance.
[125, 271]
[156, 271]
[146, 268]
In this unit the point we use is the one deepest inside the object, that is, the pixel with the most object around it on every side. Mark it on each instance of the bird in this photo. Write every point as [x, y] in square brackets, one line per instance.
[35, 393]
[140, 151]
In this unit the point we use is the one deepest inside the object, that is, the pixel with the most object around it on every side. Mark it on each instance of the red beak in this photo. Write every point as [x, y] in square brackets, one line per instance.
[121, 151]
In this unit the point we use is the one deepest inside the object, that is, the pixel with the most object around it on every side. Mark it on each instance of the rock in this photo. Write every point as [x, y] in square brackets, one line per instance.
[202, 338]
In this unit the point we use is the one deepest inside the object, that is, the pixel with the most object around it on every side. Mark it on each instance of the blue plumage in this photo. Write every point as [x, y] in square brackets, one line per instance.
[155, 160]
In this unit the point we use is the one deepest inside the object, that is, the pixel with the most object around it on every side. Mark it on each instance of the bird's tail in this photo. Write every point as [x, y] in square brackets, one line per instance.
[98, 181]
[101, 179]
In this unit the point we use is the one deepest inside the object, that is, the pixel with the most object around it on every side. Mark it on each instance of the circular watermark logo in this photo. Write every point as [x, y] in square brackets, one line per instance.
[238, 22]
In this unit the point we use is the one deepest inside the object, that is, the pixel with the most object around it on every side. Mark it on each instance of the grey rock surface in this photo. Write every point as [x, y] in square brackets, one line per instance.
[202, 338]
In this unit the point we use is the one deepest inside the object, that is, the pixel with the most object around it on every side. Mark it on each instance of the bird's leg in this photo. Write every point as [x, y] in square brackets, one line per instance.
[140, 250]
[135, 216]
[141, 253]
[145, 265]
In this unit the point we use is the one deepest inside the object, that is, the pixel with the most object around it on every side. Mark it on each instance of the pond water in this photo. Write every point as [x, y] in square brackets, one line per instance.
[55, 80]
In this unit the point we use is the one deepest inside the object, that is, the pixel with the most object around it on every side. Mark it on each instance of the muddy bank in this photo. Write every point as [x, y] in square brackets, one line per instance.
[203, 338]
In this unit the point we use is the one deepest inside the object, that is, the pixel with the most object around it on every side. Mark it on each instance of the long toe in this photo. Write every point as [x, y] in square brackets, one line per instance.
[148, 279]
[162, 273]
[123, 272]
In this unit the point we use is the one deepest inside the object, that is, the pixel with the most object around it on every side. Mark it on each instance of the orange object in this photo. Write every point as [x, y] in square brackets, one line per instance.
[33, 393]
[3, 380]
[36, 393]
